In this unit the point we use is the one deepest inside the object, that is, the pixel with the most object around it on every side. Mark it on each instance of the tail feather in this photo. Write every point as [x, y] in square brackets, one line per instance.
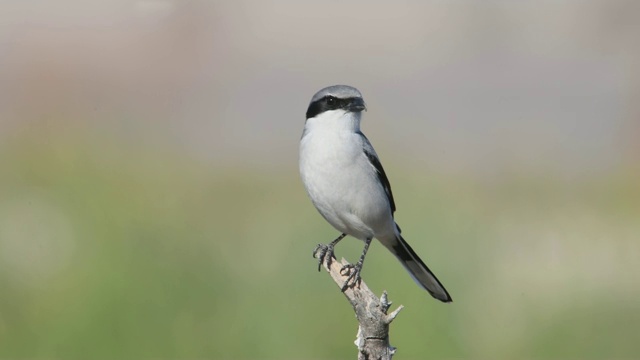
[418, 270]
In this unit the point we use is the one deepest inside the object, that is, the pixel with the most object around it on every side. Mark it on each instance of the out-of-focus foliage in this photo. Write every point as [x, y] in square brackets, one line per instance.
[110, 251]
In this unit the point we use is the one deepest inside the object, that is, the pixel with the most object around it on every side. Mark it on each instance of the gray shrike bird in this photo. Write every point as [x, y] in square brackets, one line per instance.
[347, 184]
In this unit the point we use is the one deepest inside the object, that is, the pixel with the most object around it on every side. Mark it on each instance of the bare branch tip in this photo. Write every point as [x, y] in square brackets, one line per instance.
[393, 315]
[384, 302]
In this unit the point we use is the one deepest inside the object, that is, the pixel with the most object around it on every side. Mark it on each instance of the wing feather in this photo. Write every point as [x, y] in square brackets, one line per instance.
[382, 176]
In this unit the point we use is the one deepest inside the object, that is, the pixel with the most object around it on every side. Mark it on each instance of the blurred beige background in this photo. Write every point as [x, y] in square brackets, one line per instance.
[150, 205]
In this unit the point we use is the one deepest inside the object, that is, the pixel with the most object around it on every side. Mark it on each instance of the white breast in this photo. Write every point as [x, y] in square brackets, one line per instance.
[339, 179]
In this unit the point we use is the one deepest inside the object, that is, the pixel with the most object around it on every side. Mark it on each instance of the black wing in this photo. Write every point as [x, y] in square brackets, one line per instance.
[375, 162]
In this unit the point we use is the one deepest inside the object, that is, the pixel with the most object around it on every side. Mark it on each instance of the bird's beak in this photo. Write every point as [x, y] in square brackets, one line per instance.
[357, 105]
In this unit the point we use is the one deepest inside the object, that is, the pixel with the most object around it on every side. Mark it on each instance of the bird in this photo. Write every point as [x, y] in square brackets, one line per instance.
[347, 184]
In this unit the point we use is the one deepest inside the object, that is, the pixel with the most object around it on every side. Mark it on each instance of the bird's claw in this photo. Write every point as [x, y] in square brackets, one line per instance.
[353, 273]
[323, 253]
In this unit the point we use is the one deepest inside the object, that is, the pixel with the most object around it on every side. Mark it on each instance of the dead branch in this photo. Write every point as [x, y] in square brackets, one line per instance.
[373, 330]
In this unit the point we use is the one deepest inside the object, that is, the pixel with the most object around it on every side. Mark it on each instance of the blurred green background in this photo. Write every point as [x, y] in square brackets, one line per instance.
[150, 205]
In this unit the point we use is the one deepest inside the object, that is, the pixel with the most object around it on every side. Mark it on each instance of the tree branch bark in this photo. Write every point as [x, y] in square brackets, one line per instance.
[373, 330]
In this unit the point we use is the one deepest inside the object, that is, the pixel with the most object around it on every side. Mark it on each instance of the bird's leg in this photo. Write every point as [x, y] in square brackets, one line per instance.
[354, 270]
[326, 251]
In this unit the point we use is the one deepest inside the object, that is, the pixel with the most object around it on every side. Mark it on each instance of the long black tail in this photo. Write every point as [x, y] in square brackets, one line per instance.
[418, 270]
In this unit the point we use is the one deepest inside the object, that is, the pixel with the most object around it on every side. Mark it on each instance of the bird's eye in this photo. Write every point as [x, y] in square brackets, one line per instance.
[331, 100]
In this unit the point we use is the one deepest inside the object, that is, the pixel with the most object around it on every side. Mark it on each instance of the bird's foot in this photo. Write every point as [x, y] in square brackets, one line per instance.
[353, 273]
[324, 253]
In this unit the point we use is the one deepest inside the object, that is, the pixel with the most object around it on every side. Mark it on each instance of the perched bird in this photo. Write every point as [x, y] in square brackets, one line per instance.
[348, 186]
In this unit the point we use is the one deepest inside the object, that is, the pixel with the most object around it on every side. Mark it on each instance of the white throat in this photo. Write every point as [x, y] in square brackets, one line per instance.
[334, 121]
